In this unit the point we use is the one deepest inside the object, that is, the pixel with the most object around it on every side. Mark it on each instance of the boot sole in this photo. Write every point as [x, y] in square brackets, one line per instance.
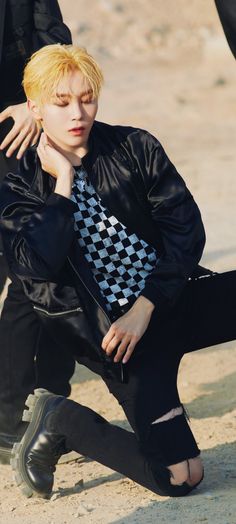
[5, 456]
[36, 404]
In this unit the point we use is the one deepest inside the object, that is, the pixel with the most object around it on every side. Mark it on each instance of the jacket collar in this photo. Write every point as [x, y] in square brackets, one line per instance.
[39, 185]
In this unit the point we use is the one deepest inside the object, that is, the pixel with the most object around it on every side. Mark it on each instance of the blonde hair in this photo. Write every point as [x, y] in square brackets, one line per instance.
[48, 66]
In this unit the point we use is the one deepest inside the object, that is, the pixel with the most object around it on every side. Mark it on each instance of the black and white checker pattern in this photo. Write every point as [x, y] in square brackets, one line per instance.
[119, 260]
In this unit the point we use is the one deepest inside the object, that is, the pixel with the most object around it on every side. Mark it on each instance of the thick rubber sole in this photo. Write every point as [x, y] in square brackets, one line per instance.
[5, 456]
[36, 404]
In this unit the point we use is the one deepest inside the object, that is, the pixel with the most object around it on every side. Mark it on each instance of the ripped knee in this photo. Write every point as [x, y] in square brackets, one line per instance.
[169, 415]
[190, 470]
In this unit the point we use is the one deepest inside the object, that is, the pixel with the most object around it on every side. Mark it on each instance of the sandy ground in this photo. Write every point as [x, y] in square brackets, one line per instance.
[168, 69]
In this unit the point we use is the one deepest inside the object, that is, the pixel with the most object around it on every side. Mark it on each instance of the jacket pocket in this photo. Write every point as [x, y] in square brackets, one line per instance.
[58, 313]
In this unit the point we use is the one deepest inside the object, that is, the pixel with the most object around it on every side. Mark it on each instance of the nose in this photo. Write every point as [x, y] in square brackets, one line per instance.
[76, 110]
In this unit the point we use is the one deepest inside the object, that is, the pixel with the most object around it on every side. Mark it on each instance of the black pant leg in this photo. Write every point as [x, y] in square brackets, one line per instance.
[149, 392]
[210, 311]
[19, 331]
[89, 434]
[21, 338]
[55, 366]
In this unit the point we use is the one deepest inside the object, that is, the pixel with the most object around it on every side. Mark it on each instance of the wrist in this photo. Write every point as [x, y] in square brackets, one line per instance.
[66, 173]
[145, 304]
[64, 182]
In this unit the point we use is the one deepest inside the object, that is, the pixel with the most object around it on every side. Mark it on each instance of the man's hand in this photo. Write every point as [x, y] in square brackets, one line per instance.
[56, 164]
[125, 332]
[24, 131]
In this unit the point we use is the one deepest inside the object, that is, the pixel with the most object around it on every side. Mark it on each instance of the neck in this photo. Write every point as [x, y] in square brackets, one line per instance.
[73, 155]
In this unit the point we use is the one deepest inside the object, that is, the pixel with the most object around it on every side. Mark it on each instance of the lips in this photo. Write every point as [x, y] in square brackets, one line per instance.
[77, 131]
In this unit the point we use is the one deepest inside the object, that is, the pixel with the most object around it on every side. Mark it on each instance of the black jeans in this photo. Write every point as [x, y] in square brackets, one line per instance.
[204, 315]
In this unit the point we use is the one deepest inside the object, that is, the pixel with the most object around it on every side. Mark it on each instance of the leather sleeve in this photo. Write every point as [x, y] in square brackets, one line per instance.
[179, 224]
[37, 234]
[48, 23]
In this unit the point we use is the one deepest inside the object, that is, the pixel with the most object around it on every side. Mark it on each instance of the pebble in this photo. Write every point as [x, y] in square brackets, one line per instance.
[83, 510]
[80, 482]
[209, 495]
[78, 486]
[55, 497]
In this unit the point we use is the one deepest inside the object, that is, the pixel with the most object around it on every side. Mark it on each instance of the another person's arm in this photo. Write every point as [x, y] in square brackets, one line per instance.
[23, 133]
[49, 25]
[227, 13]
[48, 29]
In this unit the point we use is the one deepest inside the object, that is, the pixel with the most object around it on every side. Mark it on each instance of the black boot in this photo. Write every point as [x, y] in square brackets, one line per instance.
[35, 457]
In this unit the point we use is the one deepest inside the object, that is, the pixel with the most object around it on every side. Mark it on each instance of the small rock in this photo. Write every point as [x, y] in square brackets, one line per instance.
[78, 486]
[82, 510]
[80, 513]
[208, 495]
[89, 507]
[54, 497]
[80, 482]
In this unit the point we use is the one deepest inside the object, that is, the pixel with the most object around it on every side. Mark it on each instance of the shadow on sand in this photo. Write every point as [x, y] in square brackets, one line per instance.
[221, 398]
[220, 478]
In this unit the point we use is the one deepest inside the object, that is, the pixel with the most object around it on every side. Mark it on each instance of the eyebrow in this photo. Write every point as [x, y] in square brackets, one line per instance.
[66, 95]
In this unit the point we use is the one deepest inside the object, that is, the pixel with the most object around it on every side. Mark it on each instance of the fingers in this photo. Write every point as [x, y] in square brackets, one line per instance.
[30, 139]
[19, 137]
[107, 340]
[123, 342]
[125, 350]
[10, 137]
[41, 147]
[23, 136]
[6, 113]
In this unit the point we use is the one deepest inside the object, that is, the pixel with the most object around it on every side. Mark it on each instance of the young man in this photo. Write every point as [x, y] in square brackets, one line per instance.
[25, 26]
[106, 238]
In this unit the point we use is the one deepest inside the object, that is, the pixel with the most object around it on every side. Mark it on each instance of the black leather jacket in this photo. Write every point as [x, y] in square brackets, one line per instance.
[137, 182]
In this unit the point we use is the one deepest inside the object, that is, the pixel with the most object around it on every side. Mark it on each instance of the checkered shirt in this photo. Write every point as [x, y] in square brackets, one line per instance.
[119, 260]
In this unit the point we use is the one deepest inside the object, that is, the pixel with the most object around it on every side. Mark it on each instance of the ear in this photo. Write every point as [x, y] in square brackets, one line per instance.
[34, 109]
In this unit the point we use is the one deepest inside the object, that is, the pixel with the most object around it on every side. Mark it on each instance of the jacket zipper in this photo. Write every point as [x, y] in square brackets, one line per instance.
[60, 313]
[86, 287]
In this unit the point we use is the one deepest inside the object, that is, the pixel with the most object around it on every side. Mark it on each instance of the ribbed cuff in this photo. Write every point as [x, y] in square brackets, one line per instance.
[150, 292]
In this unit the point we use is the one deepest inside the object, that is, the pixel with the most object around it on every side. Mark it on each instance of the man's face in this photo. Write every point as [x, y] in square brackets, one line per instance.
[69, 115]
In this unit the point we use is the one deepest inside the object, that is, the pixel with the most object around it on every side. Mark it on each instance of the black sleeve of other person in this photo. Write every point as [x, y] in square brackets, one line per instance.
[48, 23]
[227, 13]
[25, 27]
